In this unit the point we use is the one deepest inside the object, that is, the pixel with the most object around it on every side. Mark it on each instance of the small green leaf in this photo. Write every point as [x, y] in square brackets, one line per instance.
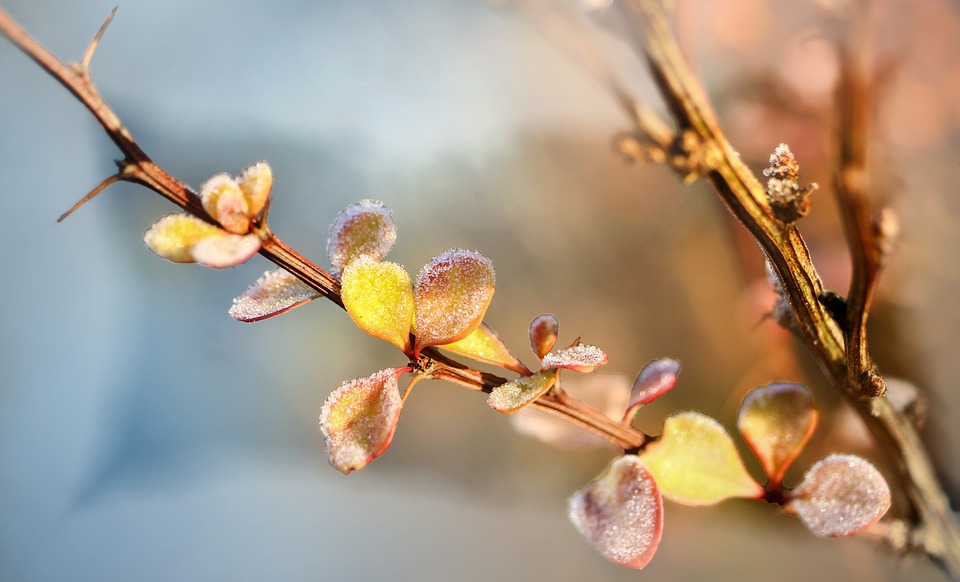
[777, 420]
[543, 333]
[365, 229]
[276, 292]
[379, 299]
[359, 418]
[696, 463]
[621, 513]
[484, 345]
[581, 358]
[452, 293]
[840, 495]
[513, 396]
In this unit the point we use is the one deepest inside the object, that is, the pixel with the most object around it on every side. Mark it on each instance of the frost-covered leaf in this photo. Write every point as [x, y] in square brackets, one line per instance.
[777, 420]
[379, 299]
[656, 377]
[184, 238]
[255, 182]
[621, 513]
[364, 229]
[605, 392]
[484, 345]
[513, 396]
[452, 293]
[840, 496]
[276, 292]
[225, 250]
[579, 358]
[359, 418]
[696, 463]
[224, 201]
[543, 333]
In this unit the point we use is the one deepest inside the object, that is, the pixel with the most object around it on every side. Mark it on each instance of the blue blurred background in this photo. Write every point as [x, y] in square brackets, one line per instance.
[145, 435]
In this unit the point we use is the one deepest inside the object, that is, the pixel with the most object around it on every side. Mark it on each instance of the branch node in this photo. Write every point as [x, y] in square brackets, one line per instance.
[788, 200]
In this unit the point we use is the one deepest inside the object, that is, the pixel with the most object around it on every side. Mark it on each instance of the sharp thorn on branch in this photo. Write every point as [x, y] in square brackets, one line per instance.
[92, 47]
[100, 187]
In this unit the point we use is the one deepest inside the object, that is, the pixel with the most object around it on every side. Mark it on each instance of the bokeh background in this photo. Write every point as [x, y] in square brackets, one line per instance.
[145, 435]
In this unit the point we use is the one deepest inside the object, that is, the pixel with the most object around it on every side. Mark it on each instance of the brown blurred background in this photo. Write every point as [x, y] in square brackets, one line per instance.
[145, 435]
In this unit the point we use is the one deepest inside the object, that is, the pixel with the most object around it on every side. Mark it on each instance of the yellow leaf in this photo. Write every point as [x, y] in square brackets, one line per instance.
[777, 420]
[484, 345]
[379, 299]
[696, 463]
[224, 201]
[255, 181]
[514, 396]
[174, 236]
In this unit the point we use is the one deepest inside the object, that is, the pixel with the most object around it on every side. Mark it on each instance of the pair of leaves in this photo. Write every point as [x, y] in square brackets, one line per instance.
[232, 203]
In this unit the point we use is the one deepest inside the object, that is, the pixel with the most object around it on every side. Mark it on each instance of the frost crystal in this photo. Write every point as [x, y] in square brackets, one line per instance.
[364, 229]
[513, 396]
[621, 513]
[452, 293]
[840, 496]
[579, 358]
[275, 292]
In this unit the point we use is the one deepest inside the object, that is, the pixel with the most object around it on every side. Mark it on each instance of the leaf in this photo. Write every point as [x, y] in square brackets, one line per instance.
[543, 333]
[777, 420]
[513, 396]
[621, 513]
[379, 299]
[452, 293]
[656, 378]
[364, 229]
[255, 182]
[359, 418]
[276, 292]
[581, 358]
[225, 250]
[224, 202]
[175, 236]
[695, 462]
[840, 495]
[484, 345]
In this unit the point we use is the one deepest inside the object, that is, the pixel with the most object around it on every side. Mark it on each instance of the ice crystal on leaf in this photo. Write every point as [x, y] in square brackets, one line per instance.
[183, 238]
[379, 299]
[365, 229]
[579, 358]
[273, 293]
[359, 418]
[777, 420]
[696, 463]
[224, 201]
[840, 495]
[656, 378]
[452, 293]
[255, 182]
[621, 513]
[543, 333]
[513, 396]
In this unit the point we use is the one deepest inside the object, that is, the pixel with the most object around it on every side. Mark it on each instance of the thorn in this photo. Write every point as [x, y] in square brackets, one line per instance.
[92, 47]
[110, 180]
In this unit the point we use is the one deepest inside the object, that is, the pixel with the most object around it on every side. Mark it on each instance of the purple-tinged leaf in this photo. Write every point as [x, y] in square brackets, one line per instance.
[514, 396]
[543, 333]
[656, 378]
[581, 358]
[276, 292]
[484, 345]
[452, 293]
[621, 513]
[777, 420]
[840, 495]
[359, 418]
[364, 229]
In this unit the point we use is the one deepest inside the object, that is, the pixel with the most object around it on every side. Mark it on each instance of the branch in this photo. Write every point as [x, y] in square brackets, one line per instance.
[138, 168]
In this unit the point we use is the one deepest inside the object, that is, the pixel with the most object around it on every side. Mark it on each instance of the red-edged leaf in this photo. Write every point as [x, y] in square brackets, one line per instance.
[840, 495]
[581, 358]
[452, 293]
[777, 420]
[696, 463]
[513, 396]
[484, 345]
[543, 333]
[621, 513]
[276, 292]
[359, 418]
[656, 378]
[364, 229]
